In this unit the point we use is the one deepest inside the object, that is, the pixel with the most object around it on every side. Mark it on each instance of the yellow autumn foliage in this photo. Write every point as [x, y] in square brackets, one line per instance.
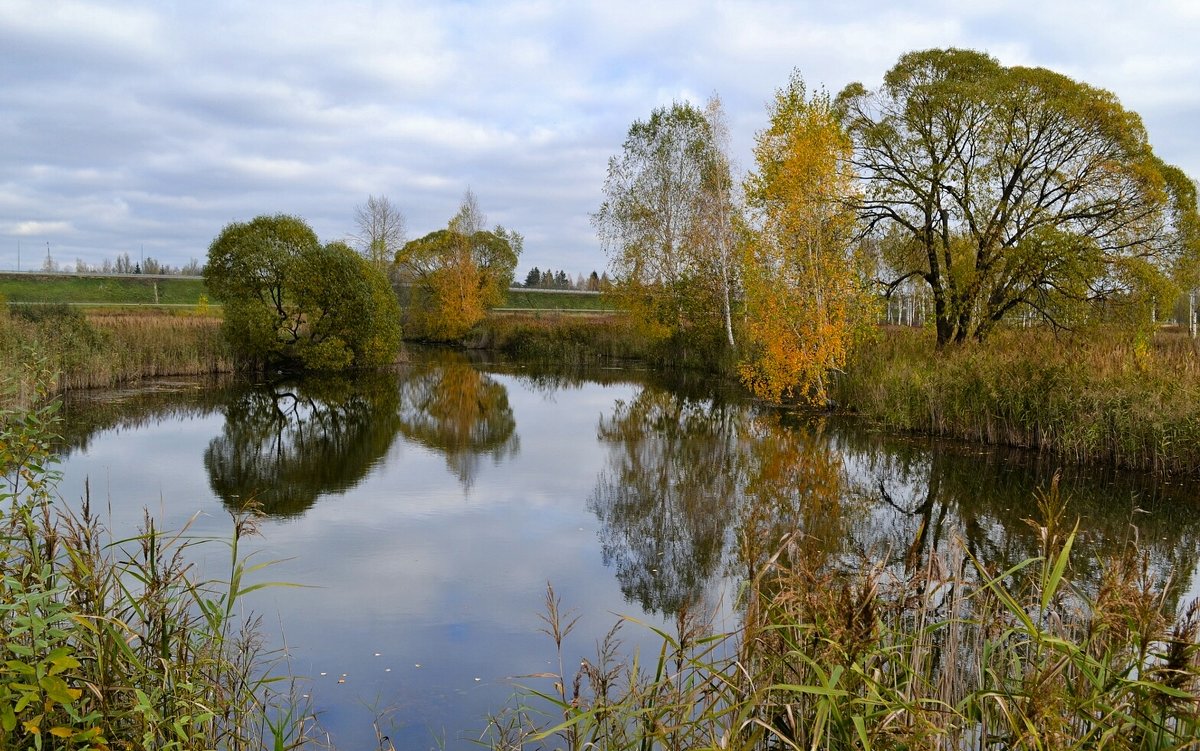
[804, 294]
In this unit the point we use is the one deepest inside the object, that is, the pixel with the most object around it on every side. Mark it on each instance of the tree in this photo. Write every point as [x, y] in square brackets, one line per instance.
[291, 302]
[1012, 187]
[654, 222]
[534, 277]
[720, 216]
[458, 273]
[804, 297]
[380, 231]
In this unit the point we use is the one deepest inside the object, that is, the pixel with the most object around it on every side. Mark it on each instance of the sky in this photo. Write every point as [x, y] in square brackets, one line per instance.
[146, 127]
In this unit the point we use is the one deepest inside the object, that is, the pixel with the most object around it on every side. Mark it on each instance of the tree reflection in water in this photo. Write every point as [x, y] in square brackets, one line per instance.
[683, 469]
[794, 507]
[667, 497]
[285, 445]
[449, 406]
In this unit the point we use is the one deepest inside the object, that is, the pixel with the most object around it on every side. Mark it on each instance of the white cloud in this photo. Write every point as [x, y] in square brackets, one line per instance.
[193, 114]
[35, 228]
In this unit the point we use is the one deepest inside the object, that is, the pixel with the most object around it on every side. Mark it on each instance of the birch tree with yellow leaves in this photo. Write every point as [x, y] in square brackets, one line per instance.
[805, 298]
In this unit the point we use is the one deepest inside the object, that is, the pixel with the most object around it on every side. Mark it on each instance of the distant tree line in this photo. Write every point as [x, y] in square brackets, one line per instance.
[124, 264]
[538, 279]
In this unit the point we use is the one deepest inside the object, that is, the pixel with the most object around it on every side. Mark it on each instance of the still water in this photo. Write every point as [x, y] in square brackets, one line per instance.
[425, 512]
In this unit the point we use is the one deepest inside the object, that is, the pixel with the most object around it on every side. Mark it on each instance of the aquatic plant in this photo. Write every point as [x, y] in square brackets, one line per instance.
[118, 642]
[942, 653]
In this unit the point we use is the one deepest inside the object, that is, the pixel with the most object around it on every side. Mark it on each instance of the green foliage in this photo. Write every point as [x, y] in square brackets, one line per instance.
[1014, 189]
[291, 302]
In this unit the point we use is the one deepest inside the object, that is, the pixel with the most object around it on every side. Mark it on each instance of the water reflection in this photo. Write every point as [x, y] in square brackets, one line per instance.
[695, 485]
[667, 497]
[928, 494]
[448, 405]
[795, 504]
[283, 446]
[684, 468]
[628, 487]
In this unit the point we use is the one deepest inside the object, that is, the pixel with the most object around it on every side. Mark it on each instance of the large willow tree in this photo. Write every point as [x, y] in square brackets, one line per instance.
[1010, 188]
[292, 303]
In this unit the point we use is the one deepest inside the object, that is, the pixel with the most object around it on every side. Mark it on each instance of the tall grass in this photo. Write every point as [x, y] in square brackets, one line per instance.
[572, 340]
[1107, 397]
[107, 349]
[115, 642]
[586, 340]
[939, 654]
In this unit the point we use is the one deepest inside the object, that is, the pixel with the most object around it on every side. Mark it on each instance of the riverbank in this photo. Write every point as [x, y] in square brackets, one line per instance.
[1104, 398]
[105, 348]
[842, 640]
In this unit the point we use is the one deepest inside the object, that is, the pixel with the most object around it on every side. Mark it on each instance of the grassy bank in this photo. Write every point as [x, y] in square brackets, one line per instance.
[567, 339]
[80, 289]
[555, 300]
[1107, 397]
[107, 348]
[172, 291]
[592, 340]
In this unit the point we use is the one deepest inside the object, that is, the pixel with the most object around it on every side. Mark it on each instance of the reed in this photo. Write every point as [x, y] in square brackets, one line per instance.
[104, 349]
[589, 340]
[1108, 397]
[938, 654]
[567, 339]
[115, 642]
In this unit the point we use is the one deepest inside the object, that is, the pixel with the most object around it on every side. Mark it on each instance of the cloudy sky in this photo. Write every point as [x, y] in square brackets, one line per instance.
[145, 127]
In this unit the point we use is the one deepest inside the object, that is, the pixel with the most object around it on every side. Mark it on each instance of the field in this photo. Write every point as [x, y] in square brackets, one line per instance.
[521, 300]
[99, 290]
[82, 289]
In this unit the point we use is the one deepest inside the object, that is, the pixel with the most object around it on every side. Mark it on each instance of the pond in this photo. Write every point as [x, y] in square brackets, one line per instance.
[426, 511]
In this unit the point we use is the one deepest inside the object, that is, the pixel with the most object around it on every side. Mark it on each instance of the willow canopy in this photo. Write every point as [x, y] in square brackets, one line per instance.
[1010, 188]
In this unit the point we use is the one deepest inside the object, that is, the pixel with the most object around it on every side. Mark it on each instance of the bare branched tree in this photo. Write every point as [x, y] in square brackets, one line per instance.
[380, 231]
